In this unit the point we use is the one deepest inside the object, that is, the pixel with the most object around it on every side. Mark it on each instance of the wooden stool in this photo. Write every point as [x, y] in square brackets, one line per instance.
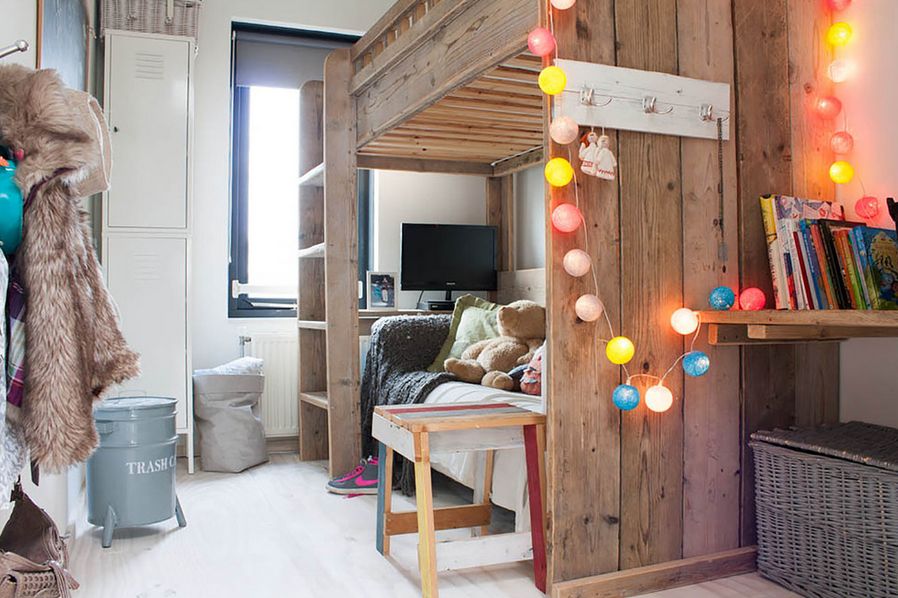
[416, 431]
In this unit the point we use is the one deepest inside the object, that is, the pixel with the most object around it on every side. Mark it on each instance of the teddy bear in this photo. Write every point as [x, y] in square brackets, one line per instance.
[522, 326]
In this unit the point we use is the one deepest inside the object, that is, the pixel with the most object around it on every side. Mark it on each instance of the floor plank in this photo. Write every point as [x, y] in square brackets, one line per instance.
[273, 531]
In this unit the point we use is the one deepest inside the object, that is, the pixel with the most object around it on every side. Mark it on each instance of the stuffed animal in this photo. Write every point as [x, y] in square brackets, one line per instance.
[522, 326]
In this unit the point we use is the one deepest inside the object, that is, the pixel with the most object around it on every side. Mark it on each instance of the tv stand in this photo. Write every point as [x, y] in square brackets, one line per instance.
[437, 305]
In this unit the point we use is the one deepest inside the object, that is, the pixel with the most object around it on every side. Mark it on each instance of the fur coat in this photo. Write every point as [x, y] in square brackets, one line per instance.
[74, 347]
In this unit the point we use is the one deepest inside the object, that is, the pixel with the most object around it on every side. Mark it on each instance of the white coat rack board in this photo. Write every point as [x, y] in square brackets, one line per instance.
[599, 95]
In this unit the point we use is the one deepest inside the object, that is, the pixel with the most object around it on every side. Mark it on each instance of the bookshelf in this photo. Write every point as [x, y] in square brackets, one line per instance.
[784, 326]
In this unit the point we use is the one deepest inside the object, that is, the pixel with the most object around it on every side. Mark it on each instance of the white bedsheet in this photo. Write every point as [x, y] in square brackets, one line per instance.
[510, 471]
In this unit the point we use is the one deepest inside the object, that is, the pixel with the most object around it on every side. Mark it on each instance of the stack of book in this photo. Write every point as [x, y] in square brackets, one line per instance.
[819, 260]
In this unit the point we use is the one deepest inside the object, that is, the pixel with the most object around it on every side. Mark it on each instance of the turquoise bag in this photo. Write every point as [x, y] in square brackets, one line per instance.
[10, 210]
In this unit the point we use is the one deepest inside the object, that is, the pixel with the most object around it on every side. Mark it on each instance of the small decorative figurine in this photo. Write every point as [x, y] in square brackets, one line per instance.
[596, 157]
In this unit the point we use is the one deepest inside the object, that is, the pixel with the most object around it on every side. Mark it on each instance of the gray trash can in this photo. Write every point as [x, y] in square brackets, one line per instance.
[131, 476]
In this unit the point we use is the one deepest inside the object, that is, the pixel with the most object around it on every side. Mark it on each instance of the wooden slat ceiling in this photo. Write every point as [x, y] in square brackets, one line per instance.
[495, 117]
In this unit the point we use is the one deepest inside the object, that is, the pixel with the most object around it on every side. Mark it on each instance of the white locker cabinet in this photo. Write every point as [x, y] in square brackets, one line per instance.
[148, 107]
[147, 277]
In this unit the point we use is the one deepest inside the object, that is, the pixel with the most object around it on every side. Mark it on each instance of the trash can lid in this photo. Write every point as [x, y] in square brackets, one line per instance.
[125, 408]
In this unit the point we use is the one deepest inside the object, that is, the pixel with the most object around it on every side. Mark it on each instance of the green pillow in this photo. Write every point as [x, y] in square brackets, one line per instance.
[473, 320]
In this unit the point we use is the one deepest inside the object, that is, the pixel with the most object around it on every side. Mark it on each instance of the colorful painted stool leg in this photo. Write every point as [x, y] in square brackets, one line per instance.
[534, 447]
[384, 496]
[427, 548]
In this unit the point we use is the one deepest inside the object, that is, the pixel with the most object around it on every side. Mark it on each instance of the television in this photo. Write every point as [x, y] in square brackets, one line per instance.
[449, 257]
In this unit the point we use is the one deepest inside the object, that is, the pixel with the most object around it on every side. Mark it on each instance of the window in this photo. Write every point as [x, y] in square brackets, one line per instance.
[269, 66]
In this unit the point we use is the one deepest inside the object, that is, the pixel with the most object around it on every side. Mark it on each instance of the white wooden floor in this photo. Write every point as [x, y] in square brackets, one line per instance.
[273, 531]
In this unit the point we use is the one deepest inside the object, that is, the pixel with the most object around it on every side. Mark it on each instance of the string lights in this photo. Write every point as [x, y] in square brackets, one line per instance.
[567, 218]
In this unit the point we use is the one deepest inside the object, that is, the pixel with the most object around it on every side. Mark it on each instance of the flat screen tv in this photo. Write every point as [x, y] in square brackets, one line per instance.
[450, 257]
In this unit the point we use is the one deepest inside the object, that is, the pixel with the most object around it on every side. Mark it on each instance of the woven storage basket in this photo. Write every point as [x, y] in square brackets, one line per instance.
[827, 510]
[172, 17]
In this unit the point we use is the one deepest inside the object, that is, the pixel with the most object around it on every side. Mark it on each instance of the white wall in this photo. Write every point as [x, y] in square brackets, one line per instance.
[530, 218]
[18, 20]
[869, 366]
[422, 198]
[214, 335]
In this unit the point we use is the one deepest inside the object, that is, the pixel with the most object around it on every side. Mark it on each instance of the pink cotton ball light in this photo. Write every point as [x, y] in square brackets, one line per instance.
[566, 218]
[589, 308]
[564, 130]
[842, 143]
[828, 107]
[752, 299]
[541, 42]
[838, 5]
[867, 207]
[577, 263]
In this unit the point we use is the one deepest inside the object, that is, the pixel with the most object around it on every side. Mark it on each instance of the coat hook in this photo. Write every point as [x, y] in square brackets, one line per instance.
[649, 106]
[707, 112]
[588, 98]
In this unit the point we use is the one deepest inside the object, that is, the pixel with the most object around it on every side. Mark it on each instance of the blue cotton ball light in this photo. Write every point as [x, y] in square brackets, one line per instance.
[722, 298]
[625, 397]
[696, 364]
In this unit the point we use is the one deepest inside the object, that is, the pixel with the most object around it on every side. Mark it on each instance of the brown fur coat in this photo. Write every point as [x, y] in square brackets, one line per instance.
[74, 348]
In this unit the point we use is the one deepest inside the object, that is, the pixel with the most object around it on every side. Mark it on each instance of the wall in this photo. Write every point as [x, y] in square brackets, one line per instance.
[19, 21]
[214, 335]
[530, 219]
[422, 198]
[868, 366]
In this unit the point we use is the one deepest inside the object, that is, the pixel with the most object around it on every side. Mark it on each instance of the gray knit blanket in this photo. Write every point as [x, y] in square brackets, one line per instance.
[399, 353]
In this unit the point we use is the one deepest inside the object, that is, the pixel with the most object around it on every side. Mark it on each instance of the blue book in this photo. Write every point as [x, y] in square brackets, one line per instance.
[859, 266]
[881, 246]
[813, 266]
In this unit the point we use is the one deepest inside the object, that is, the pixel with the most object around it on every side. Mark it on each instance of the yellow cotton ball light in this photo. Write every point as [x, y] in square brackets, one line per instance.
[589, 308]
[839, 34]
[841, 172]
[552, 80]
[559, 172]
[620, 350]
[684, 321]
[577, 263]
[658, 398]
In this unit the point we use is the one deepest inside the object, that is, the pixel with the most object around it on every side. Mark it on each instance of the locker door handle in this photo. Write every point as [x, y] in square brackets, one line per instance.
[115, 129]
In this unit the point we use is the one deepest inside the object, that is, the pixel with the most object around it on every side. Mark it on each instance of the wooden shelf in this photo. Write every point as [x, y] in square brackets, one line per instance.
[315, 251]
[313, 178]
[318, 399]
[311, 325]
[786, 326]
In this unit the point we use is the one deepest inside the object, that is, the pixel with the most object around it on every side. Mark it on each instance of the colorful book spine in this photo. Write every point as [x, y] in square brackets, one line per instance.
[882, 254]
[870, 289]
[829, 288]
[775, 255]
[846, 255]
[859, 270]
[807, 297]
[815, 280]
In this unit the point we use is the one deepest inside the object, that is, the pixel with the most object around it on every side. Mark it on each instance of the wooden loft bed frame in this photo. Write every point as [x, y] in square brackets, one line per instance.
[639, 501]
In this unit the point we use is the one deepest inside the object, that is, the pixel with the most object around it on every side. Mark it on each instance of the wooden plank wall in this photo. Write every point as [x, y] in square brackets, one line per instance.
[636, 489]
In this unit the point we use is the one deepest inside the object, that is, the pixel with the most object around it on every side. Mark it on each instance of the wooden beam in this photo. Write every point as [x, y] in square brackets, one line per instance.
[500, 213]
[377, 162]
[380, 29]
[822, 317]
[654, 578]
[485, 34]
[444, 518]
[520, 162]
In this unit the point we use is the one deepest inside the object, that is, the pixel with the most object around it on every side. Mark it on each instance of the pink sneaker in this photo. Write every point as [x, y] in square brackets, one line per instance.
[361, 480]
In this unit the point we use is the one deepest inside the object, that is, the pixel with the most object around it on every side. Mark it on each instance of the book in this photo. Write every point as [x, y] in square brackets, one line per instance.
[864, 273]
[815, 280]
[806, 299]
[881, 247]
[847, 257]
[782, 277]
[839, 273]
[826, 272]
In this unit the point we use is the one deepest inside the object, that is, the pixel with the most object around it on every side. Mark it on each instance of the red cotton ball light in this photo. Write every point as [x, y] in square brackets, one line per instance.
[541, 42]
[828, 107]
[838, 5]
[842, 142]
[752, 299]
[566, 218]
[867, 207]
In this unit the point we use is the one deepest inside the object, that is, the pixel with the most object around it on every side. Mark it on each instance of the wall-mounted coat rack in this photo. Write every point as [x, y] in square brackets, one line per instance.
[620, 98]
[19, 46]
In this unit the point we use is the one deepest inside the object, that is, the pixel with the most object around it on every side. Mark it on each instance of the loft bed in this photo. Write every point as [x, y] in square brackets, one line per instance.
[636, 501]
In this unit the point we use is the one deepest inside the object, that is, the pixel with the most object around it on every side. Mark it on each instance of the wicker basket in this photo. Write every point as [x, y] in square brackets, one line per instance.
[827, 510]
[172, 17]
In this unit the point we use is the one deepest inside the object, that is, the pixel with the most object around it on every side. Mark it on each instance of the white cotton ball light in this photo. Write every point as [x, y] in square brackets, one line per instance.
[589, 308]
[684, 321]
[577, 263]
[659, 399]
[564, 130]
[563, 4]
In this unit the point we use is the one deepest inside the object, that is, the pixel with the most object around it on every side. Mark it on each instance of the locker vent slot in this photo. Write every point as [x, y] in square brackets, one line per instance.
[149, 66]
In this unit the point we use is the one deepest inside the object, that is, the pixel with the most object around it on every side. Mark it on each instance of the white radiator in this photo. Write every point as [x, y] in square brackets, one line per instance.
[278, 404]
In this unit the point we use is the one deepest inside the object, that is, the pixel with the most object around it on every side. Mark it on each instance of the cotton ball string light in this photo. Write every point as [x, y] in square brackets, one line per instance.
[559, 172]
[566, 218]
[563, 4]
[722, 298]
[552, 80]
[828, 107]
[625, 397]
[842, 142]
[839, 5]
[752, 299]
[840, 70]
[577, 263]
[658, 398]
[867, 207]
[841, 172]
[620, 350]
[589, 308]
[564, 130]
[839, 34]
[684, 321]
[541, 42]
[696, 363]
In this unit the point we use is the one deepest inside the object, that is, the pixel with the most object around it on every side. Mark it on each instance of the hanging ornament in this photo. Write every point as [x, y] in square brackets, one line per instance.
[839, 5]
[589, 308]
[577, 263]
[552, 80]
[559, 172]
[541, 42]
[620, 350]
[867, 207]
[684, 321]
[842, 142]
[625, 397]
[596, 156]
[841, 172]
[563, 4]
[840, 70]
[696, 363]
[658, 398]
[839, 34]
[564, 130]
[722, 299]
[566, 218]
[828, 107]
[752, 299]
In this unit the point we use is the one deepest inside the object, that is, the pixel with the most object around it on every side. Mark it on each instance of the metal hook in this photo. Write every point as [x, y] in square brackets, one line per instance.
[706, 111]
[649, 106]
[587, 97]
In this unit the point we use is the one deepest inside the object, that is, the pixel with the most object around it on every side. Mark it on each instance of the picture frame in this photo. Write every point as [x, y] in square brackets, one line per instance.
[382, 289]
